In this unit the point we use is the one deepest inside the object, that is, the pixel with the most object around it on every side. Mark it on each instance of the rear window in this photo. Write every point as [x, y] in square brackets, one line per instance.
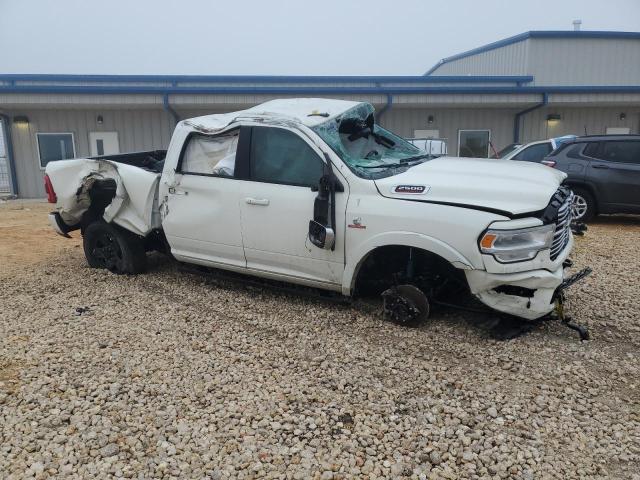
[534, 153]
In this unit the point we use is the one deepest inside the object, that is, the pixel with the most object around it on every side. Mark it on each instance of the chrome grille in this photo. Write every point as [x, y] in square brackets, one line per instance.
[562, 233]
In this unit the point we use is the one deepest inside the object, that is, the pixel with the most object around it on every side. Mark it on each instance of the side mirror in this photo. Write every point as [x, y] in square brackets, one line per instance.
[321, 236]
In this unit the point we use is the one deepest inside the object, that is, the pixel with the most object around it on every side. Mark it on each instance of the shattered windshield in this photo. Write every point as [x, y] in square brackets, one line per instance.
[367, 148]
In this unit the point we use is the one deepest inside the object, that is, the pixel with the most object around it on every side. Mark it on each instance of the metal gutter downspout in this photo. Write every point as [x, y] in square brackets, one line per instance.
[167, 108]
[516, 121]
[8, 140]
[385, 109]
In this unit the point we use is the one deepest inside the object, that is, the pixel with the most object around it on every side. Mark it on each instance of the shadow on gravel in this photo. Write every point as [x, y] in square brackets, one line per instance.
[485, 324]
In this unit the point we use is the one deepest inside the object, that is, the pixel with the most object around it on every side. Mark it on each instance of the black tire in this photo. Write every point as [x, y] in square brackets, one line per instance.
[113, 248]
[584, 205]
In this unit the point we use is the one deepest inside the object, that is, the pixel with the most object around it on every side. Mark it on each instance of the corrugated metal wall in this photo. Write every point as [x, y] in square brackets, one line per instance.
[151, 129]
[586, 61]
[137, 130]
[449, 121]
[508, 60]
[557, 61]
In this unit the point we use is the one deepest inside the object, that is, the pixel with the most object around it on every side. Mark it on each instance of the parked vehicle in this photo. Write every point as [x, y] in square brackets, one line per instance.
[313, 192]
[435, 147]
[603, 172]
[536, 151]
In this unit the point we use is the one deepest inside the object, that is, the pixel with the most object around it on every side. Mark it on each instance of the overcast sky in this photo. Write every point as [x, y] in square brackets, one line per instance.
[275, 37]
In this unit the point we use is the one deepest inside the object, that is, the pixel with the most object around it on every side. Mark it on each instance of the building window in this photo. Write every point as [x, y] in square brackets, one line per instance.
[55, 146]
[474, 143]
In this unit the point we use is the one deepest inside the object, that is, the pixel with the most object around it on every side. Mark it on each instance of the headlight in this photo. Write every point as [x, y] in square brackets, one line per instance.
[517, 245]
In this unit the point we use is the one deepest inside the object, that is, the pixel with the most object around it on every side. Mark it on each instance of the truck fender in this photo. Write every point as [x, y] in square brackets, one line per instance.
[409, 239]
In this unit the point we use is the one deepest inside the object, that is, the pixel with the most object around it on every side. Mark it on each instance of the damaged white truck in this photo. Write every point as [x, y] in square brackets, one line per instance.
[314, 192]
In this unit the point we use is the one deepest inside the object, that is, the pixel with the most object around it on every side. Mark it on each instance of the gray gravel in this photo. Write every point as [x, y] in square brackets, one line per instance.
[174, 375]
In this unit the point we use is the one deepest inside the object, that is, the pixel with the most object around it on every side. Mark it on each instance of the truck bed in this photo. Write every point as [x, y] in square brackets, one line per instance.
[152, 160]
[125, 185]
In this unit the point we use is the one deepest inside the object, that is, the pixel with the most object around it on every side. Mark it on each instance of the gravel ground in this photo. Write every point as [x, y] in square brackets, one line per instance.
[173, 374]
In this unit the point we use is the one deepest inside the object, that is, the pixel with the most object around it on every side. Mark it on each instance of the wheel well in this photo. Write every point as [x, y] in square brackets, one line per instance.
[389, 265]
[101, 193]
[588, 188]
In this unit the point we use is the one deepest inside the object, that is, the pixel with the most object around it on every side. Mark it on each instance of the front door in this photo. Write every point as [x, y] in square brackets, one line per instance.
[201, 218]
[103, 143]
[276, 205]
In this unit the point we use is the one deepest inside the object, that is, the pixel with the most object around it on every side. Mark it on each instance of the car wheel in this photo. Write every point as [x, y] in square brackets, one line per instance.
[110, 247]
[584, 206]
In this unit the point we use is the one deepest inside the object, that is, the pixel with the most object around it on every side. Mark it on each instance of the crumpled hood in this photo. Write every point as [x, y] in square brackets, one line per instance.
[495, 185]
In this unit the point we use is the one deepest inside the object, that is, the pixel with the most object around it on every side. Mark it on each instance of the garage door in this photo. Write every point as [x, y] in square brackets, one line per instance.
[5, 183]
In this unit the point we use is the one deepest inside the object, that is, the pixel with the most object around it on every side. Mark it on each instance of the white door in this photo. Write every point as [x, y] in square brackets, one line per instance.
[277, 203]
[103, 143]
[202, 216]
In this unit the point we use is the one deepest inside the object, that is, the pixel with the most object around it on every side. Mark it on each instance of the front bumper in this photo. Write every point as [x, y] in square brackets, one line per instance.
[527, 294]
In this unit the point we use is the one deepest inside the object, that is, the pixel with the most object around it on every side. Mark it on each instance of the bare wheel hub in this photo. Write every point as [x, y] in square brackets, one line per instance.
[405, 305]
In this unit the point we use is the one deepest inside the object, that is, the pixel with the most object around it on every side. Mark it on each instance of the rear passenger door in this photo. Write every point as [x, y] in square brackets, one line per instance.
[615, 170]
[276, 204]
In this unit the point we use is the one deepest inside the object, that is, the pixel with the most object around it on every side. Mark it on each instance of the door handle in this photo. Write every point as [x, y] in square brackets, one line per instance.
[601, 166]
[257, 201]
[174, 191]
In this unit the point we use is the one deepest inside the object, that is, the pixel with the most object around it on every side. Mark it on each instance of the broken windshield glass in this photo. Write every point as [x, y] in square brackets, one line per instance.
[367, 148]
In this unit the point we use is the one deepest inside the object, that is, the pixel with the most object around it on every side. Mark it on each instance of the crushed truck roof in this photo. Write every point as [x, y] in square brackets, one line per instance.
[307, 111]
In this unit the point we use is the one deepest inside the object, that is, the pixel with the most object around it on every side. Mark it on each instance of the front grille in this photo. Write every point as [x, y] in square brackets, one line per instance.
[562, 233]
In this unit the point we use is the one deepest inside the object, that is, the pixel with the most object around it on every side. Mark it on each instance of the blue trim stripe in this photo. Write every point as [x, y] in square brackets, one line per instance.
[176, 79]
[535, 34]
[324, 90]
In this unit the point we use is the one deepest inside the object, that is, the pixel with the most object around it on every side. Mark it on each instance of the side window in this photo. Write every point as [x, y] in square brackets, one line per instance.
[623, 151]
[281, 156]
[206, 155]
[534, 153]
[591, 150]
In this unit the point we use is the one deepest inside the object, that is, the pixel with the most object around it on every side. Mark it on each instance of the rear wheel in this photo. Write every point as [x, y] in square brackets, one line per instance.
[584, 206]
[117, 250]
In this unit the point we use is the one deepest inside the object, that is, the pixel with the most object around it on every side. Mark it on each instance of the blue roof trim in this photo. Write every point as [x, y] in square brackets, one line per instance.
[262, 78]
[535, 34]
[355, 90]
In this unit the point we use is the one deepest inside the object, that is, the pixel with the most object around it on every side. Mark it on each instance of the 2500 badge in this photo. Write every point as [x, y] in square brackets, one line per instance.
[411, 189]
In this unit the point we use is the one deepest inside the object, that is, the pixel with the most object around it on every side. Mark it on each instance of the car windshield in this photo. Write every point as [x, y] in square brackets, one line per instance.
[367, 148]
[506, 150]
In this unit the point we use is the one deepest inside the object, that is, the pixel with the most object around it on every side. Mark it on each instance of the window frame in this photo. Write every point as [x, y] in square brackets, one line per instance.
[193, 134]
[73, 146]
[247, 158]
[475, 130]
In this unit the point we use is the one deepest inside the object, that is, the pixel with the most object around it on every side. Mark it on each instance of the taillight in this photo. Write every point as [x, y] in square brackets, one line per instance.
[549, 163]
[51, 193]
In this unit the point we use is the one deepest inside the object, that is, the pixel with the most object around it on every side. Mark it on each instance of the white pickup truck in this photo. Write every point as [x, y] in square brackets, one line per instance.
[314, 192]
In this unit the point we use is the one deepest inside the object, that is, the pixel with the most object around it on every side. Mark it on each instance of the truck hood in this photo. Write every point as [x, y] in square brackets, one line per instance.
[502, 186]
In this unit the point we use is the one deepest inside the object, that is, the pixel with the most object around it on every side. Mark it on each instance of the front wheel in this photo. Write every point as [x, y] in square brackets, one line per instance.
[110, 247]
[584, 206]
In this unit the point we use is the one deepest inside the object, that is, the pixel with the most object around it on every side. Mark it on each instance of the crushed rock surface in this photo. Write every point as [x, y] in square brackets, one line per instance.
[175, 374]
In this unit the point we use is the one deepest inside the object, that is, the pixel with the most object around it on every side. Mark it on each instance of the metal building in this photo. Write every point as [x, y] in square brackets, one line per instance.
[529, 87]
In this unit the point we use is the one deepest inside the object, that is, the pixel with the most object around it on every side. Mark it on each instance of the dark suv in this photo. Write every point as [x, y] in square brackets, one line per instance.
[603, 172]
